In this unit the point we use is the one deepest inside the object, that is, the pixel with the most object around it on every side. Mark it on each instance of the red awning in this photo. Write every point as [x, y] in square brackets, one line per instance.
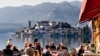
[89, 9]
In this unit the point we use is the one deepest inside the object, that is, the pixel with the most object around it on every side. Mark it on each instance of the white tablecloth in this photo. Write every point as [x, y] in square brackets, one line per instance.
[24, 55]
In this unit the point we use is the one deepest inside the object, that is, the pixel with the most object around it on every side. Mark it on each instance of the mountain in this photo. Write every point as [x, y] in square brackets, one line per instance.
[63, 11]
[76, 4]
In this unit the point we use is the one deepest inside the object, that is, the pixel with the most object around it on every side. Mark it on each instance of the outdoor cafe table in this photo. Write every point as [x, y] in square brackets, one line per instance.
[91, 54]
[24, 55]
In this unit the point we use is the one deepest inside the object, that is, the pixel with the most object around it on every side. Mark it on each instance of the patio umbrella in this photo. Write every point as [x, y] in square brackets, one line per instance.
[89, 9]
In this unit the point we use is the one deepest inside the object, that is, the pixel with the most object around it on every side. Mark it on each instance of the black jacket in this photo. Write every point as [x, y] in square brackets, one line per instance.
[7, 52]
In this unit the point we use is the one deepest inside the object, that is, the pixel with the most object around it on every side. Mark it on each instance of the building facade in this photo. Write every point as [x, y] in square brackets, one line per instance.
[96, 32]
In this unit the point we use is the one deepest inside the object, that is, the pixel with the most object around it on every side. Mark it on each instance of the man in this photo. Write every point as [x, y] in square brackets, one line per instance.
[30, 51]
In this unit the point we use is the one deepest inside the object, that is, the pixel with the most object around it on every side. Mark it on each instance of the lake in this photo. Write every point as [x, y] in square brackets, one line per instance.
[5, 36]
[19, 42]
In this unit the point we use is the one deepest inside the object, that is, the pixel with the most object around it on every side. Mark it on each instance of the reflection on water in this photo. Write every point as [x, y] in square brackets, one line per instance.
[19, 41]
[70, 42]
[5, 36]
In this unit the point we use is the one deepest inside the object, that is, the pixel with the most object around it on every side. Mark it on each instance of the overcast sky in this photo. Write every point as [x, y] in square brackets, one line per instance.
[4, 3]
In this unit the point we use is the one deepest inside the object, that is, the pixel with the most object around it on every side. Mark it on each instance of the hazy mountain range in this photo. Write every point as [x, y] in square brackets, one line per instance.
[63, 11]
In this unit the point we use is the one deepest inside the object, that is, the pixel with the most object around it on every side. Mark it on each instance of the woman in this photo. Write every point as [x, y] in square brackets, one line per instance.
[63, 51]
[38, 49]
[73, 52]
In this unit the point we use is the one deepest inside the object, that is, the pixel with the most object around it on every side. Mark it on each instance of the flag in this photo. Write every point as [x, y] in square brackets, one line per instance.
[89, 9]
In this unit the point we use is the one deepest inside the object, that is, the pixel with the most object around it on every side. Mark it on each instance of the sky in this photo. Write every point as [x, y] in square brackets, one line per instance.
[4, 3]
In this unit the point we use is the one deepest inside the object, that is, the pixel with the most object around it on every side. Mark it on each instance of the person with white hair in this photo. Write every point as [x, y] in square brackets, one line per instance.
[9, 42]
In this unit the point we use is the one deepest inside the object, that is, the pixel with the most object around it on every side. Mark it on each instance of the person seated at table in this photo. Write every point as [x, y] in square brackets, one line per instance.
[47, 53]
[58, 48]
[35, 42]
[87, 49]
[1, 53]
[38, 48]
[73, 52]
[81, 51]
[30, 51]
[93, 48]
[52, 46]
[26, 44]
[16, 52]
[9, 42]
[8, 51]
[63, 51]
[22, 52]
